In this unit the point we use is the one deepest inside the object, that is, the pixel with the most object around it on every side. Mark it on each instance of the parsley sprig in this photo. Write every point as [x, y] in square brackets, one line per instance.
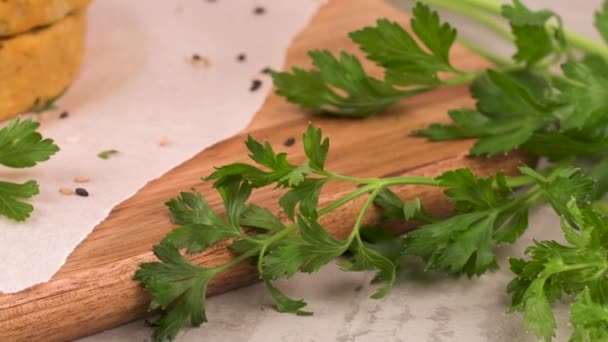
[490, 212]
[21, 146]
[411, 68]
[521, 103]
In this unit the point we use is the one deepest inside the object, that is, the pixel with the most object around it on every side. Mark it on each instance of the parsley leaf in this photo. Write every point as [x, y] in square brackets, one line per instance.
[259, 217]
[463, 243]
[562, 185]
[315, 147]
[406, 62]
[601, 21]
[589, 319]
[177, 286]
[308, 252]
[200, 226]
[22, 146]
[365, 259]
[554, 269]
[11, 195]
[305, 196]
[393, 208]
[364, 95]
[508, 114]
[279, 169]
[286, 304]
[532, 38]
[584, 93]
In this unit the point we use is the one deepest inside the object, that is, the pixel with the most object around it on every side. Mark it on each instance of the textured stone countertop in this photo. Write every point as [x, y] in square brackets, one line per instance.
[421, 307]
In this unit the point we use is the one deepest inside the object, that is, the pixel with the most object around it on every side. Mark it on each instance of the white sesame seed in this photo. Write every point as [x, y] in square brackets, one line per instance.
[163, 141]
[66, 191]
[81, 179]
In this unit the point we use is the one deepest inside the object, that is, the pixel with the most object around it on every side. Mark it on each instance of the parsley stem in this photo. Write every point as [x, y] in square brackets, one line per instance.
[402, 180]
[368, 202]
[585, 44]
[489, 6]
[519, 181]
[495, 59]
[345, 199]
[474, 9]
[261, 248]
[464, 78]
[513, 182]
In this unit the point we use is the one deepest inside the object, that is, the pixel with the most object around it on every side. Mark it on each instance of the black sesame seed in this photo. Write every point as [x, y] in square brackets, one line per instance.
[289, 141]
[241, 57]
[259, 10]
[255, 85]
[266, 70]
[64, 115]
[196, 57]
[81, 192]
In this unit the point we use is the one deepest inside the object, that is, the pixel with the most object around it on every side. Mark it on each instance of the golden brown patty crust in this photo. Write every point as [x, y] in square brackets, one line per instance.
[18, 16]
[38, 66]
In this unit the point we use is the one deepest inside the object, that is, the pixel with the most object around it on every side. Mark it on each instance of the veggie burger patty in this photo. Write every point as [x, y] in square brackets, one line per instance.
[40, 63]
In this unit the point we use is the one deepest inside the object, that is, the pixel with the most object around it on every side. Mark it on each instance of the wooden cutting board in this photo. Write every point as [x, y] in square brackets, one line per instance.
[94, 291]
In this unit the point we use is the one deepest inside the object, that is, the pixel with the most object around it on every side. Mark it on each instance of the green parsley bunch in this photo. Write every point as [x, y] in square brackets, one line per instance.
[522, 103]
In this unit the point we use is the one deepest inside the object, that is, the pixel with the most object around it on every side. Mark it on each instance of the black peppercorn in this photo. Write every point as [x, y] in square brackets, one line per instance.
[81, 192]
[289, 141]
[255, 85]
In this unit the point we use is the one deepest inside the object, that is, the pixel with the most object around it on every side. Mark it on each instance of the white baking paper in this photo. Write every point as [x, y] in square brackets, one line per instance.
[137, 86]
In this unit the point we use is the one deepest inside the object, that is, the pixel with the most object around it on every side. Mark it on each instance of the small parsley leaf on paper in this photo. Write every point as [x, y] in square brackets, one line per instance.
[106, 154]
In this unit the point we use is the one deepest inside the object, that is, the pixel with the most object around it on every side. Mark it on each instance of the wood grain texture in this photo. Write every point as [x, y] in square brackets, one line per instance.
[94, 291]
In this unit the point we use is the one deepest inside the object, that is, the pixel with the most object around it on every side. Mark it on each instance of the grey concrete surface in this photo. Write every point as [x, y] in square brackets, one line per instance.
[422, 306]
